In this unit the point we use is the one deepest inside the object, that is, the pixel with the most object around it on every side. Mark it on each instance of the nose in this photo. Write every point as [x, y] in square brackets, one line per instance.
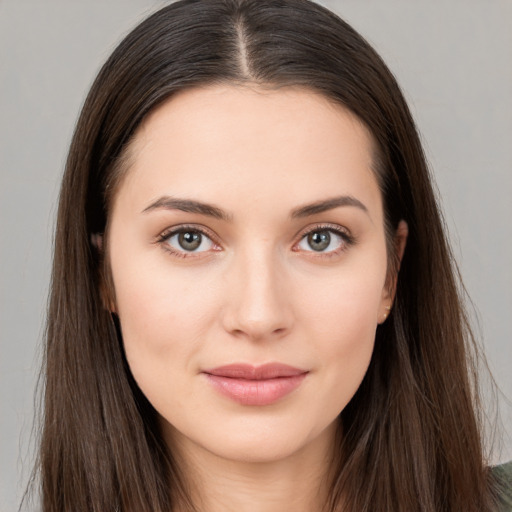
[259, 305]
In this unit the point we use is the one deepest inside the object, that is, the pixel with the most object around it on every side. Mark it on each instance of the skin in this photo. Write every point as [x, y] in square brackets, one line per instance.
[255, 291]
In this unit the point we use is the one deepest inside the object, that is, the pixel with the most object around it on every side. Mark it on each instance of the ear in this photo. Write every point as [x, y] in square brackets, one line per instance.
[400, 241]
[388, 293]
[97, 241]
[105, 284]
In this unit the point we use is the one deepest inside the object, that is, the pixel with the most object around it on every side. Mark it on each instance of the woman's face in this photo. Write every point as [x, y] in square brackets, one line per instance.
[248, 258]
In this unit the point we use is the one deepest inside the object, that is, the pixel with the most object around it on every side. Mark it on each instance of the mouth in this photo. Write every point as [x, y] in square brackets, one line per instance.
[255, 385]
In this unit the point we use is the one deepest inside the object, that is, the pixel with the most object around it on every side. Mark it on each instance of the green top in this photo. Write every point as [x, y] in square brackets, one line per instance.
[503, 475]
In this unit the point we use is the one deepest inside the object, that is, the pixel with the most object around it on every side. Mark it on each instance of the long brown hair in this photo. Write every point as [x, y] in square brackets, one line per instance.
[411, 435]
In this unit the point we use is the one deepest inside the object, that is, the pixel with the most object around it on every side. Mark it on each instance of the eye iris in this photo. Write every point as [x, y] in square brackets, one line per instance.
[189, 240]
[319, 240]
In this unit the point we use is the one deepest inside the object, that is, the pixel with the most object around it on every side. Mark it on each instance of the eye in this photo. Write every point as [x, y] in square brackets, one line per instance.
[187, 240]
[324, 240]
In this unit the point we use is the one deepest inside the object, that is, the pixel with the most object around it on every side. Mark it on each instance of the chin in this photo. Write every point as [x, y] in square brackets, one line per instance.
[271, 448]
[254, 440]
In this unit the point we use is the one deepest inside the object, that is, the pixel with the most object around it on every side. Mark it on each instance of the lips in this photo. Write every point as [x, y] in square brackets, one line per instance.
[255, 385]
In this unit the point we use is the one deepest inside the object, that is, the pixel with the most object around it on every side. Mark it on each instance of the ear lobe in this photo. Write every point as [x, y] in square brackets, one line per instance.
[106, 299]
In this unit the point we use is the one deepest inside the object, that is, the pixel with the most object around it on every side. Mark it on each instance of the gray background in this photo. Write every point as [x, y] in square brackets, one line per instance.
[453, 59]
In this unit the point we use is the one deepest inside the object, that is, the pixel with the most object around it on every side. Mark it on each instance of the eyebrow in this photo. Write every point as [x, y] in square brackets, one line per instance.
[327, 204]
[189, 206]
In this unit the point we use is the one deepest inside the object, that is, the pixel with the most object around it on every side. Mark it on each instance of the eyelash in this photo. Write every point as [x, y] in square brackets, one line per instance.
[348, 240]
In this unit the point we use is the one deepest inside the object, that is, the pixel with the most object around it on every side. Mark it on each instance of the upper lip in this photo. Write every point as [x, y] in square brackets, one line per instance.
[251, 372]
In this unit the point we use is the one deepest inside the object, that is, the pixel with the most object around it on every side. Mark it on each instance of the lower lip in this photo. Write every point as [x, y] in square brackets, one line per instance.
[256, 392]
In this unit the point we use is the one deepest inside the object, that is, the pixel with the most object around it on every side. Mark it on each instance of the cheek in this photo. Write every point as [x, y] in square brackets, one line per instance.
[345, 305]
[164, 316]
[341, 322]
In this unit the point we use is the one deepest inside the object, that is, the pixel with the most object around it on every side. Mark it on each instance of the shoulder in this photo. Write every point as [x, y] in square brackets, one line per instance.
[503, 477]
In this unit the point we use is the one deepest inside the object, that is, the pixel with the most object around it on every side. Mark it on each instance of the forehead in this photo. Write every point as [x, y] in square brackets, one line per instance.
[223, 140]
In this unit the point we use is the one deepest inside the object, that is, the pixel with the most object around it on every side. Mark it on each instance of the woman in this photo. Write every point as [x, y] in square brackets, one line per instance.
[253, 304]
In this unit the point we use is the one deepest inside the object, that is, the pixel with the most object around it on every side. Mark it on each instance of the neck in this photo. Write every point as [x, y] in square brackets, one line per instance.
[298, 482]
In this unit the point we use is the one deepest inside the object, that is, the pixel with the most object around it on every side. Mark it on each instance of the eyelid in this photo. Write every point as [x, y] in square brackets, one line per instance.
[324, 226]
